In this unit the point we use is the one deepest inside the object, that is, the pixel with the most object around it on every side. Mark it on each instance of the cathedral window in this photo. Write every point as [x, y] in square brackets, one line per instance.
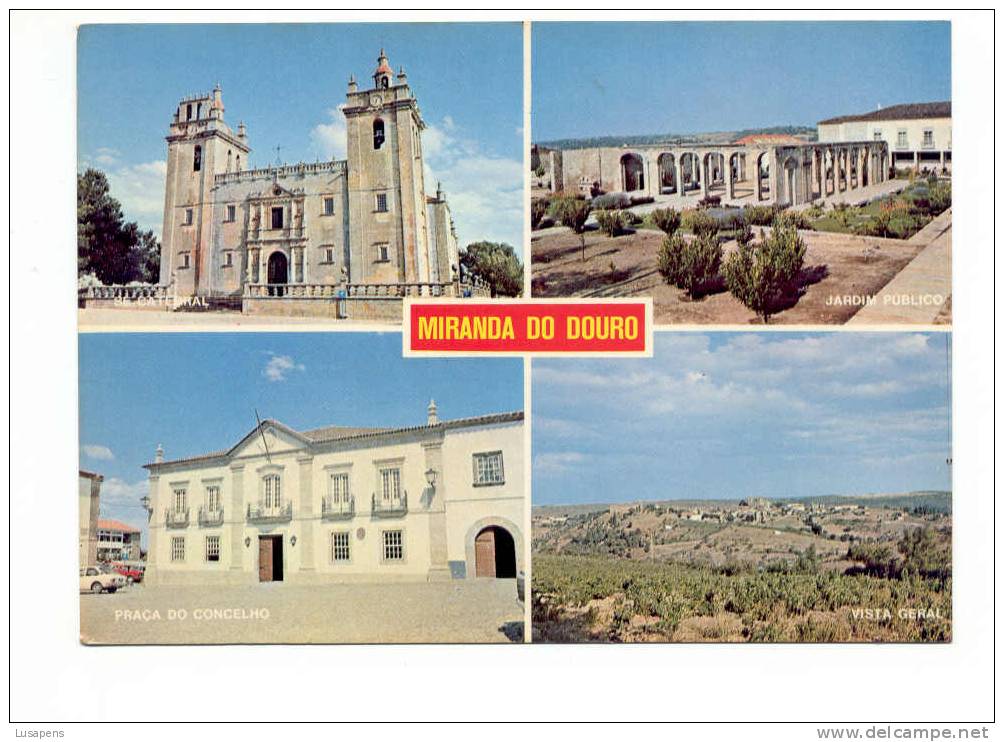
[381, 202]
[329, 205]
[327, 254]
[189, 217]
[185, 260]
[231, 213]
[383, 253]
[378, 134]
[228, 259]
[188, 112]
[197, 161]
[277, 212]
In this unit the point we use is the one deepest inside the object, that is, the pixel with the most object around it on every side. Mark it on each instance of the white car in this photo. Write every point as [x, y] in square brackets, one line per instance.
[94, 580]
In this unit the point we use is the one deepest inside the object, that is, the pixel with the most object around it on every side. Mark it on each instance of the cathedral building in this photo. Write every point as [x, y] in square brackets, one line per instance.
[308, 238]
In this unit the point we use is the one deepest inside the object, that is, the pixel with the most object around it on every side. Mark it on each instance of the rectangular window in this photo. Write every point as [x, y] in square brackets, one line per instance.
[340, 488]
[329, 254]
[340, 547]
[231, 213]
[383, 253]
[180, 498]
[381, 202]
[277, 212]
[901, 140]
[273, 494]
[329, 205]
[189, 217]
[393, 546]
[390, 484]
[213, 498]
[488, 468]
[212, 548]
[928, 137]
[177, 548]
[186, 261]
[877, 136]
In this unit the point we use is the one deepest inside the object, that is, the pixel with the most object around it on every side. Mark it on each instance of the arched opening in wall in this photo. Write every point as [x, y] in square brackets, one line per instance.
[762, 176]
[667, 173]
[790, 170]
[690, 175]
[278, 273]
[378, 134]
[197, 158]
[632, 173]
[494, 553]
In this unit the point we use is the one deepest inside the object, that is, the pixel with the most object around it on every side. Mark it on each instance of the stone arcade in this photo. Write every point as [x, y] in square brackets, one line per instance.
[343, 238]
[782, 174]
[438, 501]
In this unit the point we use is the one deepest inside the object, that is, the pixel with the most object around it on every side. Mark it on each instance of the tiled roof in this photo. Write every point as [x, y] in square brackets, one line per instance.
[936, 110]
[116, 525]
[337, 433]
[765, 138]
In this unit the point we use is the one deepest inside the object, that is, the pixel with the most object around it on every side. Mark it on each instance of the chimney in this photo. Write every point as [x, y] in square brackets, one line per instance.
[159, 456]
[433, 417]
[353, 87]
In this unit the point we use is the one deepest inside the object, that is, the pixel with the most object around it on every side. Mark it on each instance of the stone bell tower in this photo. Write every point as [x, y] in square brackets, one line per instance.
[388, 227]
[200, 145]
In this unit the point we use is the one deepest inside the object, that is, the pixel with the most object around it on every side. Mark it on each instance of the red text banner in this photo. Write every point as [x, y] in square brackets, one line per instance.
[533, 327]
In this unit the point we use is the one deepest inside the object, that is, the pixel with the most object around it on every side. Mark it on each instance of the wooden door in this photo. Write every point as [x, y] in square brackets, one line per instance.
[264, 559]
[484, 553]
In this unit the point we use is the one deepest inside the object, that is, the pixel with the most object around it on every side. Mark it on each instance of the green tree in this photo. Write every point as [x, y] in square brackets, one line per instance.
[764, 276]
[668, 220]
[116, 251]
[573, 213]
[497, 264]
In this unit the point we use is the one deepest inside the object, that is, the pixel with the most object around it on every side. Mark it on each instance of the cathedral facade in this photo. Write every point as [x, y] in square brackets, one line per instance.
[307, 234]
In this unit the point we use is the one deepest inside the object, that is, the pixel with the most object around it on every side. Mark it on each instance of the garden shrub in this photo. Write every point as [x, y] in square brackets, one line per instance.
[764, 276]
[761, 216]
[692, 266]
[610, 221]
[668, 220]
[639, 200]
[699, 223]
[709, 201]
[538, 210]
[614, 200]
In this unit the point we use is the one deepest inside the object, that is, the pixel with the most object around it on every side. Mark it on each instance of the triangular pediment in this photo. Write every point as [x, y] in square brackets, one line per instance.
[271, 438]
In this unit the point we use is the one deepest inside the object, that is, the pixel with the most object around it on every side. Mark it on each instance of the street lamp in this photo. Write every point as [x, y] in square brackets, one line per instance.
[145, 502]
[430, 477]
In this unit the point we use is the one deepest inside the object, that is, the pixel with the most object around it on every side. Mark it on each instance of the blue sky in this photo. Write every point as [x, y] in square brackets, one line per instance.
[594, 79]
[196, 393]
[726, 415]
[287, 81]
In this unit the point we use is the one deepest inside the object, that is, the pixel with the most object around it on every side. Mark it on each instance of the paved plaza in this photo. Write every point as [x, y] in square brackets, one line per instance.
[457, 611]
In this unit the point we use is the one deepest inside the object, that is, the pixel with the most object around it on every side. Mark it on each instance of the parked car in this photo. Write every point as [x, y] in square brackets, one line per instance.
[93, 579]
[132, 572]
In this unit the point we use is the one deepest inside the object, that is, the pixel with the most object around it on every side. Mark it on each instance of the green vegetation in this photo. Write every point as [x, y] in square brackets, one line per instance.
[680, 602]
[611, 221]
[764, 275]
[572, 213]
[109, 248]
[694, 265]
[538, 210]
[897, 216]
[497, 264]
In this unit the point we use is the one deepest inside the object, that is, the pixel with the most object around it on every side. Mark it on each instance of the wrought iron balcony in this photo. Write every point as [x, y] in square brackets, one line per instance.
[176, 517]
[210, 517]
[340, 510]
[392, 508]
[272, 514]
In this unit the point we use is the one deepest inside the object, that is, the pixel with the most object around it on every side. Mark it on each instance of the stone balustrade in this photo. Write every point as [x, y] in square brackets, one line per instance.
[125, 294]
[283, 171]
[363, 290]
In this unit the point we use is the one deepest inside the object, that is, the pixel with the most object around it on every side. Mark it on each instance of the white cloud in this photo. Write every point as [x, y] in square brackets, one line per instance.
[97, 452]
[555, 463]
[278, 368]
[485, 191]
[139, 188]
[118, 492]
[330, 138]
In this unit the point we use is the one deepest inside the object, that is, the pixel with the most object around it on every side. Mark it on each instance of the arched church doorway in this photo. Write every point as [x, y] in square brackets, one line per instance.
[494, 553]
[278, 273]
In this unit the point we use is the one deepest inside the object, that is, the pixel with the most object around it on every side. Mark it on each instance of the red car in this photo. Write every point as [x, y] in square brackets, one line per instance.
[135, 574]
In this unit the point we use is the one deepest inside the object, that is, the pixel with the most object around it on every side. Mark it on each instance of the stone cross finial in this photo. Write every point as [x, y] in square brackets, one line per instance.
[159, 456]
[433, 416]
